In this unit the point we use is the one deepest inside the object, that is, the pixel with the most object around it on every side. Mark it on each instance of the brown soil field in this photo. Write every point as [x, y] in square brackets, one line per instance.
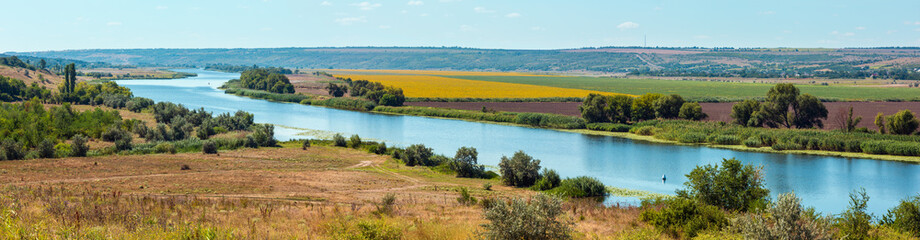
[267, 193]
[311, 84]
[716, 111]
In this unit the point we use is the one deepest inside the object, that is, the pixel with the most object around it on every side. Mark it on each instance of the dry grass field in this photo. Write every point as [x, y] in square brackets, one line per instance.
[425, 86]
[268, 193]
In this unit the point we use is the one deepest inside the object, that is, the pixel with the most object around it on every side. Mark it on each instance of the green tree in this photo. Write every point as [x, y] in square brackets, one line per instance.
[336, 90]
[521, 170]
[880, 122]
[42, 64]
[78, 146]
[780, 99]
[850, 122]
[668, 106]
[903, 123]
[593, 108]
[743, 113]
[620, 108]
[418, 154]
[644, 106]
[692, 111]
[466, 163]
[808, 112]
[732, 186]
[855, 223]
[70, 79]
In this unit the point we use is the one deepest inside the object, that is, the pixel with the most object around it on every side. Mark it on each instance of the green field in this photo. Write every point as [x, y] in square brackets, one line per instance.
[706, 91]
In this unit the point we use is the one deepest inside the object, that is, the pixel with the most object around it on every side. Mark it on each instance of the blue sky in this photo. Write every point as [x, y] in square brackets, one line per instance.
[57, 25]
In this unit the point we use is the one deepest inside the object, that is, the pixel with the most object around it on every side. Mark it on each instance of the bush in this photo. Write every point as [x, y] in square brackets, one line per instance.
[682, 216]
[902, 123]
[165, 148]
[732, 186]
[115, 133]
[727, 140]
[855, 223]
[339, 140]
[609, 127]
[785, 219]
[387, 205]
[123, 144]
[208, 147]
[581, 187]
[549, 180]
[263, 135]
[78, 146]
[644, 130]
[466, 163]
[692, 137]
[465, 197]
[787, 146]
[905, 217]
[521, 170]
[46, 149]
[305, 145]
[549, 120]
[539, 218]
[418, 154]
[354, 141]
[380, 148]
[753, 142]
[692, 111]
[487, 186]
[11, 150]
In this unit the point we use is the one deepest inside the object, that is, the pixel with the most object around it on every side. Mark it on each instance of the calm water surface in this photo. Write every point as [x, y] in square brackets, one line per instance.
[822, 182]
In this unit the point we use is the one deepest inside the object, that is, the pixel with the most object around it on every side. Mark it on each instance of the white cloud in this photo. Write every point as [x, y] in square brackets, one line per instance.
[385, 27]
[513, 15]
[415, 3]
[467, 28]
[351, 20]
[366, 5]
[849, 34]
[627, 25]
[482, 10]
[325, 3]
[113, 24]
[860, 28]
[835, 32]
[162, 7]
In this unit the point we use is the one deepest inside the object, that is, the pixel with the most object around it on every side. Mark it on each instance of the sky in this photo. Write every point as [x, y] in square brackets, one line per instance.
[537, 24]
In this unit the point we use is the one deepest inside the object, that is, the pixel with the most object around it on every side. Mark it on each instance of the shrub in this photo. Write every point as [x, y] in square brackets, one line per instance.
[487, 186]
[787, 146]
[753, 142]
[548, 180]
[62, 149]
[465, 163]
[733, 186]
[785, 219]
[123, 144]
[354, 141]
[11, 150]
[692, 111]
[380, 148]
[582, 186]
[465, 197]
[165, 148]
[682, 217]
[644, 130]
[521, 170]
[208, 147]
[263, 135]
[339, 140]
[692, 137]
[905, 217]
[902, 123]
[387, 205]
[727, 140]
[609, 127]
[855, 223]
[539, 218]
[418, 154]
[46, 149]
[78, 146]
[115, 133]
[305, 145]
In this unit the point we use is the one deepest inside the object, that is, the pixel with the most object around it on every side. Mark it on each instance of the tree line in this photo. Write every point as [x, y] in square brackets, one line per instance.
[263, 79]
[624, 109]
[373, 91]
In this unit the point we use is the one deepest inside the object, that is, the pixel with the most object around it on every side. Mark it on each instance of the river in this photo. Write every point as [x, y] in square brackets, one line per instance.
[822, 182]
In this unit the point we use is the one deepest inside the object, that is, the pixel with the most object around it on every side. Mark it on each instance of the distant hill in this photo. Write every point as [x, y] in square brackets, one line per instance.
[896, 63]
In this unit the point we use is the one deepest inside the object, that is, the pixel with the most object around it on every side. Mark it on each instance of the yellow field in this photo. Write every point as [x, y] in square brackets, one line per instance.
[429, 72]
[444, 87]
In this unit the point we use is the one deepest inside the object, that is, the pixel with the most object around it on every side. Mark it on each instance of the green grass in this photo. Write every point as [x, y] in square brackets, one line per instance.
[704, 91]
